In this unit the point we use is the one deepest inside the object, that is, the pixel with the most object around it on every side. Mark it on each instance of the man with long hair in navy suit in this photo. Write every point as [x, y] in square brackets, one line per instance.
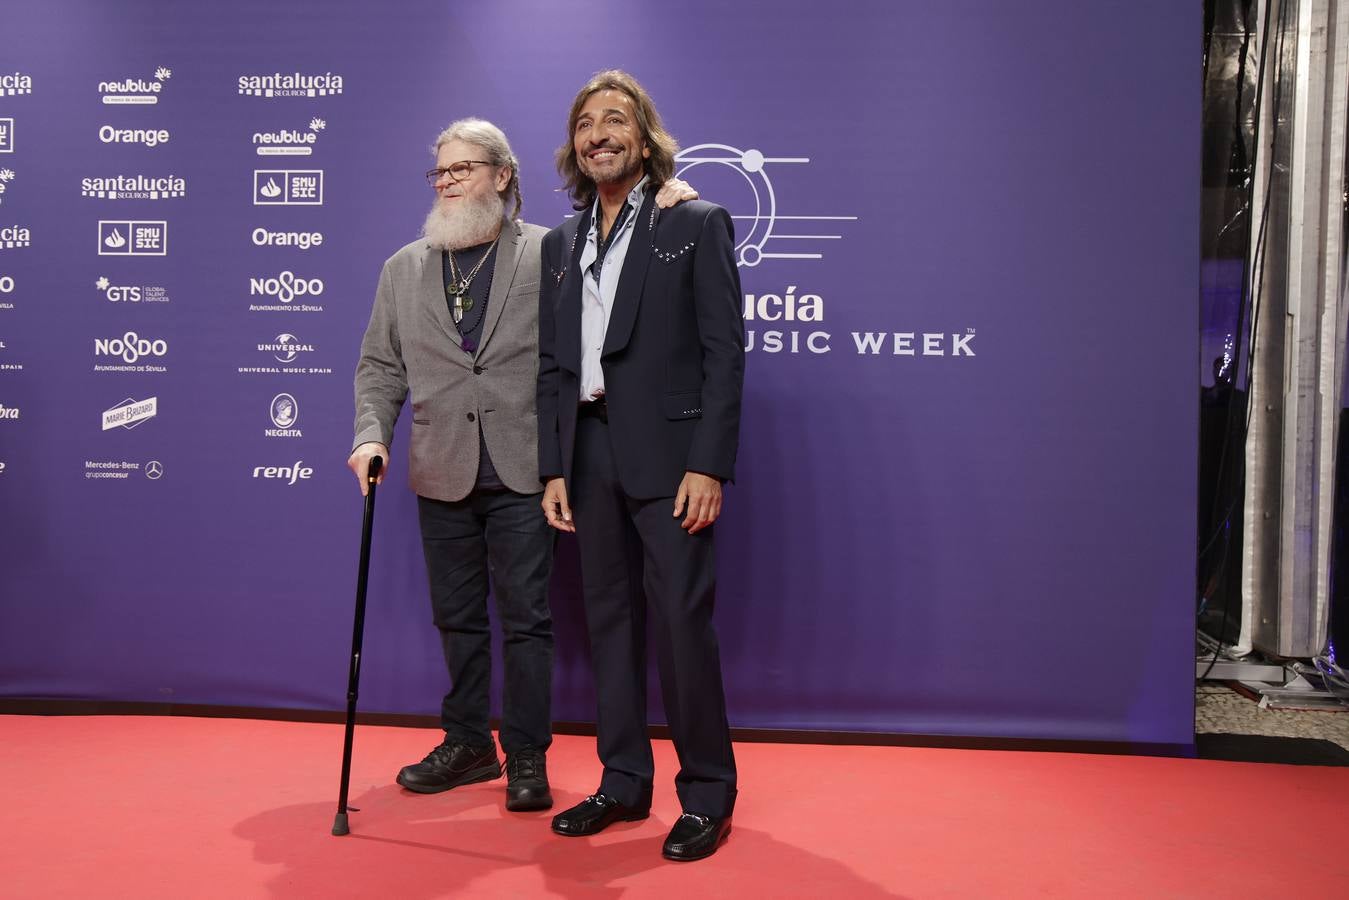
[641, 364]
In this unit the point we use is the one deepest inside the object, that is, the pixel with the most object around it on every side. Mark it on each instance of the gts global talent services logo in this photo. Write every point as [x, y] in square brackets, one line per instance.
[134, 187]
[131, 293]
[290, 84]
[12, 84]
[289, 143]
[135, 91]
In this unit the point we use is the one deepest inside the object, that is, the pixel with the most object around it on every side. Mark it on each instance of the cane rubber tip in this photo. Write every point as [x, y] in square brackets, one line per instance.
[340, 825]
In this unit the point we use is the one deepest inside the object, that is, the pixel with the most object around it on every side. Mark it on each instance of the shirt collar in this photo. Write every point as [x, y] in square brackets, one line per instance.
[634, 200]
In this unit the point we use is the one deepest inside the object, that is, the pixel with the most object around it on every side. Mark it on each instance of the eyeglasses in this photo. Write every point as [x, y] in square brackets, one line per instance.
[460, 171]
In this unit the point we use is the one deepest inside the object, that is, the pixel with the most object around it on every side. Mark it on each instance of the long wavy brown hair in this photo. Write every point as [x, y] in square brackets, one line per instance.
[660, 165]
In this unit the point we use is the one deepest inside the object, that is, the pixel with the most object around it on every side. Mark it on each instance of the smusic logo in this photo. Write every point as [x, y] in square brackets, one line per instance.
[134, 187]
[128, 238]
[289, 143]
[6, 135]
[287, 187]
[135, 91]
[293, 84]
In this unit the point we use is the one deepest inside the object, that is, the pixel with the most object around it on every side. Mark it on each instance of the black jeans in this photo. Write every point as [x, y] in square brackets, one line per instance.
[503, 533]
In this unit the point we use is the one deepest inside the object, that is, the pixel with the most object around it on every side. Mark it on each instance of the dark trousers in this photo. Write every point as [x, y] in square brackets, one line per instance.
[505, 534]
[635, 558]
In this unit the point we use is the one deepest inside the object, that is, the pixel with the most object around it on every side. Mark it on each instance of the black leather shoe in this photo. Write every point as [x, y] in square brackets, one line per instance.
[596, 813]
[695, 837]
[450, 765]
[527, 781]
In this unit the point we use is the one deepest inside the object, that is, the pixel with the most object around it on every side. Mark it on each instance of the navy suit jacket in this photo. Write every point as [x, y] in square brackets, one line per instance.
[673, 356]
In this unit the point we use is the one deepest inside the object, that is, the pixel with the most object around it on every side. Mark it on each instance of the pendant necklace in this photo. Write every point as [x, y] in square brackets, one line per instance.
[457, 289]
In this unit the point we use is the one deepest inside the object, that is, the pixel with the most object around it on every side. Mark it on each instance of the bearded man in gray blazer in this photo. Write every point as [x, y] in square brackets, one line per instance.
[455, 323]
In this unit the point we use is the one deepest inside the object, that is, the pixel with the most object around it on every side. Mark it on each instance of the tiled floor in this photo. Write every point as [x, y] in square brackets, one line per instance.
[1219, 709]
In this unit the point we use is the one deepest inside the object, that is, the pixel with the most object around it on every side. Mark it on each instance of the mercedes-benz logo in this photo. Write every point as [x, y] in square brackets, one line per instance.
[154, 469]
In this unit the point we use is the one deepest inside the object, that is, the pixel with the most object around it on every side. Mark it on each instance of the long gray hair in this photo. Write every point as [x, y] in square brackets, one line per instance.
[492, 140]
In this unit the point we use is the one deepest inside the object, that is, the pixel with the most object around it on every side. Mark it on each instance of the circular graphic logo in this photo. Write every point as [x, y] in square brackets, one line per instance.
[284, 411]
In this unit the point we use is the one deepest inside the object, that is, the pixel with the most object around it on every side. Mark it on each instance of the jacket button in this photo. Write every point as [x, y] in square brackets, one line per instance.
[471, 417]
[477, 370]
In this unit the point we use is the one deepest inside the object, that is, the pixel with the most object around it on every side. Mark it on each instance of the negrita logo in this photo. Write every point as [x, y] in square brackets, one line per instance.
[291, 84]
[285, 414]
[289, 143]
[135, 91]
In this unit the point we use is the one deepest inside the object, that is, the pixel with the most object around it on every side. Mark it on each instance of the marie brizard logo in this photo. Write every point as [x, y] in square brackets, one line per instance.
[135, 91]
[290, 84]
[130, 412]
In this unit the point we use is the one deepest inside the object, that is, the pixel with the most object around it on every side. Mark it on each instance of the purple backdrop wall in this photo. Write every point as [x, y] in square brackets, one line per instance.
[989, 532]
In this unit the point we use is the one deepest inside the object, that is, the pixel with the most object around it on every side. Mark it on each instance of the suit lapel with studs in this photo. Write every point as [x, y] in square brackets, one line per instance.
[628, 297]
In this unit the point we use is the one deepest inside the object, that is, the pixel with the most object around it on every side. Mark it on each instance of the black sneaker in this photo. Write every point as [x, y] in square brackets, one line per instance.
[527, 781]
[450, 765]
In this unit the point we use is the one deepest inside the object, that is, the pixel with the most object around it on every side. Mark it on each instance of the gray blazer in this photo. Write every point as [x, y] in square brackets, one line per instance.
[412, 344]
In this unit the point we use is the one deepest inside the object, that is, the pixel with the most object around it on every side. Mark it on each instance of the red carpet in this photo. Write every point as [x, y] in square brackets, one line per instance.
[176, 807]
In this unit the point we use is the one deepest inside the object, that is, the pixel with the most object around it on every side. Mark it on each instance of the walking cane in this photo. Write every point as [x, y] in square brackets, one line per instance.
[357, 633]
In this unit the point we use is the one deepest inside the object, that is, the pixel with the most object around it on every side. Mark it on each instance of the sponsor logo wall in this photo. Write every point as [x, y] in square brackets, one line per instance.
[191, 231]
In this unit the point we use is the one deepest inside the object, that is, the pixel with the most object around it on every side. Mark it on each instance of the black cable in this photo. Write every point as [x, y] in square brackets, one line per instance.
[1256, 277]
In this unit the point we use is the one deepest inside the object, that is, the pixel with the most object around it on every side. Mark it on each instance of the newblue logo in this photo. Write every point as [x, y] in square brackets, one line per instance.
[128, 238]
[134, 187]
[289, 143]
[135, 91]
[6, 135]
[293, 84]
[287, 187]
[6, 176]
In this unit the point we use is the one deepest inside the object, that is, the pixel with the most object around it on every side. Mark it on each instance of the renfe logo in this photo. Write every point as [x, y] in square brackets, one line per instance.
[289, 474]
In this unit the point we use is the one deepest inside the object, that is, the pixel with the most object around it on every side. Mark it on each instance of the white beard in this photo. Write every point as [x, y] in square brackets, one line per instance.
[473, 222]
